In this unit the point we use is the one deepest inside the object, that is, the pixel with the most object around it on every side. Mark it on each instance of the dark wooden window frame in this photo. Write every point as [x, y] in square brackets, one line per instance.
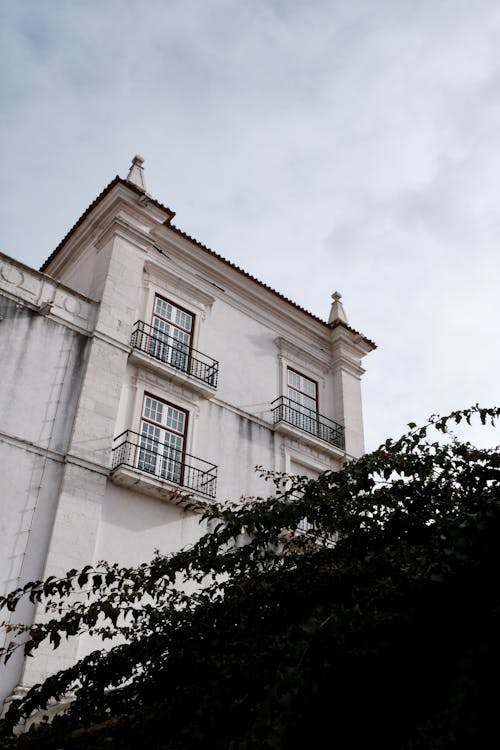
[142, 419]
[154, 315]
[311, 380]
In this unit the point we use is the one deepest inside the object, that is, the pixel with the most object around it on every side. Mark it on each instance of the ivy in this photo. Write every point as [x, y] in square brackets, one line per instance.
[378, 627]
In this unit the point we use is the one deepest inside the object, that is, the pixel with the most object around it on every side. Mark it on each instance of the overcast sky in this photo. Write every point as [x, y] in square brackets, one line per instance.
[349, 145]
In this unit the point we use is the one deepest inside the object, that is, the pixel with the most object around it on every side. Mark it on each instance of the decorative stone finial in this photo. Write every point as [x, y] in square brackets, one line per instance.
[337, 311]
[136, 173]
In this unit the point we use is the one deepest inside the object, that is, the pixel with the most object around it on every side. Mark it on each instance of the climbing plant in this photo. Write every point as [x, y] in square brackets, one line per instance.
[378, 626]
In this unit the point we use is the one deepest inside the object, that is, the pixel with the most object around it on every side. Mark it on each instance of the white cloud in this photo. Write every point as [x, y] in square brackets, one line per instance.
[320, 145]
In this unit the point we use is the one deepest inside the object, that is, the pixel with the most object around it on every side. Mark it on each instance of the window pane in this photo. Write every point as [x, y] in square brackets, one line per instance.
[171, 339]
[179, 353]
[161, 326]
[171, 312]
[183, 319]
[171, 465]
[163, 308]
[301, 383]
[153, 409]
[150, 434]
[182, 336]
[173, 445]
[148, 453]
[160, 449]
[170, 344]
[301, 400]
[309, 387]
[175, 419]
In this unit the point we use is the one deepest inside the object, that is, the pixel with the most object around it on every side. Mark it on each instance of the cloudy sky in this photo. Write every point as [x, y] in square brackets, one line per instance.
[326, 145]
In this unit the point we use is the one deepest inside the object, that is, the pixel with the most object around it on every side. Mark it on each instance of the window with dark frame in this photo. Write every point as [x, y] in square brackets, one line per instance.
[172, 333]
[300, 408]
[162, 442]
[302, 401]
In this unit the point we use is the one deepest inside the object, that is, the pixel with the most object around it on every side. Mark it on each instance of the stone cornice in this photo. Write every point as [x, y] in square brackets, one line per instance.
[154, 219]
[170, 280]
[86, 464]
[93, 226]
[344, 334]
[31, 447]
[301, 355]
[52, 455]
[171, 374]
[308, 445]
[146, 378]
[121, 227]
[46, 295]
[146, 224]
[104, 337]
[348, 365]
[308, 457]
[241, 291]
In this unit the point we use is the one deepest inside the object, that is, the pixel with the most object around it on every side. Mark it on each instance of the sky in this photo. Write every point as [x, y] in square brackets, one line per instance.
[322, 145]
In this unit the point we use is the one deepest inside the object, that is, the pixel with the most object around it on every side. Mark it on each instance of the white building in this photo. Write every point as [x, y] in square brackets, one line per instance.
[136, 363]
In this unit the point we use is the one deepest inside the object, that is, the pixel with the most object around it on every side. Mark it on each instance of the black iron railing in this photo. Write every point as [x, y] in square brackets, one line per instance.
[286, 410]
[144, 454]
[175, 353]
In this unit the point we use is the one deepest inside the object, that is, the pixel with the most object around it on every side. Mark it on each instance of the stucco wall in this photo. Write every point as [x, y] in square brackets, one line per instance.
[70, 384]
[132, 527]
[238, 444]
[41, 363]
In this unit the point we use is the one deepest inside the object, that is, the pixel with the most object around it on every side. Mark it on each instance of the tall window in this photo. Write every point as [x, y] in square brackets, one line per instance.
[172, 332]
[302, 401]
[163, 432]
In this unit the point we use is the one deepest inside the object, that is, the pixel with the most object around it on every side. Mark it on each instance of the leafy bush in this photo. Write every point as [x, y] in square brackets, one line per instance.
[378, 627]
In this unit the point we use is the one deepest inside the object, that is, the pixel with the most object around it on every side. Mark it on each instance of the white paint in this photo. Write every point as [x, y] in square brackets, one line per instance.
[72, 384]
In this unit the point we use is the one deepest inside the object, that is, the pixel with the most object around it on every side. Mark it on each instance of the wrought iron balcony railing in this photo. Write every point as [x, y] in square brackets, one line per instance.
[286, 410]
[175, 353]
[144, 454]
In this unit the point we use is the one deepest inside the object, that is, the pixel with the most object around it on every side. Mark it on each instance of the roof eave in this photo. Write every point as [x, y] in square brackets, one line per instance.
[168, 223]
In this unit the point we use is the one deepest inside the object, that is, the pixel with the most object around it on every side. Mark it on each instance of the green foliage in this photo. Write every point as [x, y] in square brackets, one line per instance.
[378, 628]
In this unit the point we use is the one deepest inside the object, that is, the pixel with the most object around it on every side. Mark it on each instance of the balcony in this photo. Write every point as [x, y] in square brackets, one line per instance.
[288, 412]
[190, 365]
[158, 469]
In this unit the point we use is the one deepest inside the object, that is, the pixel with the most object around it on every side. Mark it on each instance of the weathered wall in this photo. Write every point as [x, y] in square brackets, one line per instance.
[243, 443]
[133, 526]
[70, 384]
[41, 365]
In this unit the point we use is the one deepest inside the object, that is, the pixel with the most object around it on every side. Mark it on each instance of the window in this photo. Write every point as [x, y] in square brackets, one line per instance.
[299, 407]
[172, 329]
[162, 437]
[302, 401]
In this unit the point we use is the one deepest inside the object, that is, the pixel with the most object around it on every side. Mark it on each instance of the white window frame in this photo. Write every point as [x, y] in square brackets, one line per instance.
[302, 393]
[299, 406]
[157, 453]
[172, 342]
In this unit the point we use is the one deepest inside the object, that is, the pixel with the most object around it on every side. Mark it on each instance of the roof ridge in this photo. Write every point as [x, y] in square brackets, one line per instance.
[118, 180]
[77, 223]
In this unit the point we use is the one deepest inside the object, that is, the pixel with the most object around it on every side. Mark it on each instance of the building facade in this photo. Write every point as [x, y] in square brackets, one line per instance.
[137, 365]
